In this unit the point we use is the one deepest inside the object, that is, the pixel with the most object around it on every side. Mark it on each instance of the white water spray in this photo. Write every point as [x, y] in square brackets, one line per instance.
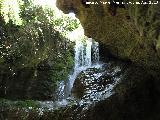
[86, 56]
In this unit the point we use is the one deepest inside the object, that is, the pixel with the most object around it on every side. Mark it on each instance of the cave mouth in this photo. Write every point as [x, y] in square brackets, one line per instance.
[96, 90]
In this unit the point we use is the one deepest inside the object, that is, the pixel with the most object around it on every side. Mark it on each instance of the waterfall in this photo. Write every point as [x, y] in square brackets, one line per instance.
[88, 61]
[86, 56]
[95, 52]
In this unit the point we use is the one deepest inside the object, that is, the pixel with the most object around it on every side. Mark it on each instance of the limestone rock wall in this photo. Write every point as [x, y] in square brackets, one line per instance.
[133, 33]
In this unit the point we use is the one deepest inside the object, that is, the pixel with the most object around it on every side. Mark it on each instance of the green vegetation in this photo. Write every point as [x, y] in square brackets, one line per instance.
[34, 52]
[20, 104]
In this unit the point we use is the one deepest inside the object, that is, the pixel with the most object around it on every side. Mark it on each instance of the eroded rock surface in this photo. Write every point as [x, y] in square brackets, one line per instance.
[95, 84]
[130, 33]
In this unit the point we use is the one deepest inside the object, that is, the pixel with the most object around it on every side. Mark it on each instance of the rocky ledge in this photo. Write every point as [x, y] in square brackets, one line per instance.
[129, 32]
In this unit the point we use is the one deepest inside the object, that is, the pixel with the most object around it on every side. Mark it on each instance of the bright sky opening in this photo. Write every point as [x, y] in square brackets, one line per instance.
[11, 6]
[74, 35]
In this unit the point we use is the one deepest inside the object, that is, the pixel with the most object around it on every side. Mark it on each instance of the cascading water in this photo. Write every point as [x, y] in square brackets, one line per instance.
[98, 81]
[88, 61]
[86, 56]
[95, 53]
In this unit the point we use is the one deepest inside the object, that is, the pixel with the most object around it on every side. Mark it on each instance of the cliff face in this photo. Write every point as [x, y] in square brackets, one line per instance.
[130, 33]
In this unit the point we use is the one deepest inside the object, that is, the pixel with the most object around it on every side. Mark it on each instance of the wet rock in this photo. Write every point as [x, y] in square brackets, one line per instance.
[136, 97]
[94, 84]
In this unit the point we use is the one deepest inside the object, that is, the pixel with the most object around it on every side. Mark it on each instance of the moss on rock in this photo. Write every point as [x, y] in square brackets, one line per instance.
[133, 33]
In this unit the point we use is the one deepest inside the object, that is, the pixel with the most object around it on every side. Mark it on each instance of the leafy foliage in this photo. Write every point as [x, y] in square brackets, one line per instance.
[38, 43]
